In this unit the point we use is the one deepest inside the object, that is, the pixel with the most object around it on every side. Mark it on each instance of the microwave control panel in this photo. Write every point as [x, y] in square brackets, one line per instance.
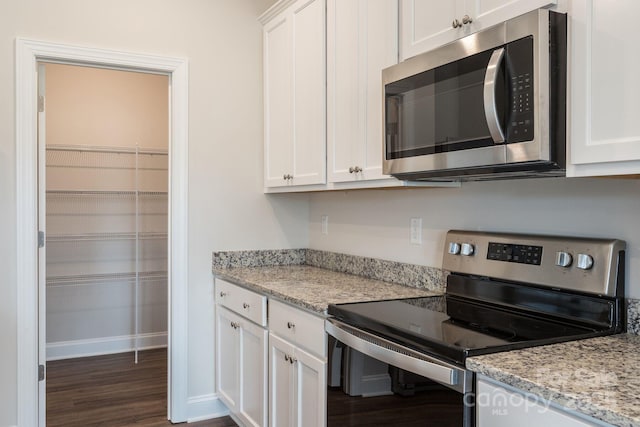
[520, 87]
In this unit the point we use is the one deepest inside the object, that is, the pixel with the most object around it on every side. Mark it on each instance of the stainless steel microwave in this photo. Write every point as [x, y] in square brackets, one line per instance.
[488, 106]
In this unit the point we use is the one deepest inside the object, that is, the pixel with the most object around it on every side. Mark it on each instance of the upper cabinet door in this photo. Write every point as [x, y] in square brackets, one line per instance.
[278, 111]
[604, 86]
[309, 100]
[294, 92]
[487, 13]
[362, 40]
[427, 24]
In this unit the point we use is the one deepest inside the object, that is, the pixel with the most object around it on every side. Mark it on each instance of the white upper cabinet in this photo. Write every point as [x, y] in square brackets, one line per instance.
[362, 40]
[427, 24]
[604, 130]
[294, 94]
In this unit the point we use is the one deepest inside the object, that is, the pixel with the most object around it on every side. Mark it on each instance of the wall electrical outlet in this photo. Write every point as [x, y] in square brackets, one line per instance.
[325, 224]
[416, 231]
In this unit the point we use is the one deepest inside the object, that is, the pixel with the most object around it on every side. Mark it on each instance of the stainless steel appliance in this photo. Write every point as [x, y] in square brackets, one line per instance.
[504, 292]
[490, 105]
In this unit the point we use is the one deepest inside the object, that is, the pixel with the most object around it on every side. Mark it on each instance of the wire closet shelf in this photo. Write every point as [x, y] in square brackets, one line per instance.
[98, 200]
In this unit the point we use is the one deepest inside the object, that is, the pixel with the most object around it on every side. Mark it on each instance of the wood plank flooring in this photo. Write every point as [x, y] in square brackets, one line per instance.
[437, 408]
[112, 391]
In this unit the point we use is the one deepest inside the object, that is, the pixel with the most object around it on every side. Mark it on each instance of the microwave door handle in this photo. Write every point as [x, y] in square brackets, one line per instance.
[490, 107]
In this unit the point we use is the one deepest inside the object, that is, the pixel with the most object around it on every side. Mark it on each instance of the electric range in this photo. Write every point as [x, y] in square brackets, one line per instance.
[503, 292]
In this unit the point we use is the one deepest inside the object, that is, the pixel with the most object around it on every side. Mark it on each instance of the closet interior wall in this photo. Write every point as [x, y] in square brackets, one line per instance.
[106, 212]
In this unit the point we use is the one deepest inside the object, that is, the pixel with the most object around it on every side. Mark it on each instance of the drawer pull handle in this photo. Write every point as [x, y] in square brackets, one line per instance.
[291, 325]
[235, 325]
[223, 294]
[286, 357]
[245, 305]
[292, 360]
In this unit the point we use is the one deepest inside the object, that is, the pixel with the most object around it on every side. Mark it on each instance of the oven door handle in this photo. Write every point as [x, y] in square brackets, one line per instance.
[490, 107]
[396, 355]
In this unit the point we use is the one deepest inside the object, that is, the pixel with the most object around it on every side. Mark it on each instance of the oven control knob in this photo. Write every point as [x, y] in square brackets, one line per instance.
[585, 262]
[466, 249]
[563, 259]
[454, 248]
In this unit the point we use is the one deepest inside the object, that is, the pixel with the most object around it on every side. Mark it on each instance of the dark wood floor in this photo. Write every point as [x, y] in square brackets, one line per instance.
[434, 408]
[112, 391]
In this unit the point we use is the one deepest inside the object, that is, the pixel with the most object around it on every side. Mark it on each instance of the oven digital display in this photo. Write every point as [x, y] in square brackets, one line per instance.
[522, 254]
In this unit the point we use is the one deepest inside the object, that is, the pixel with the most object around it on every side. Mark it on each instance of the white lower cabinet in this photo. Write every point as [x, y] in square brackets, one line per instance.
[242, 367]
[297, 386]
[499, 405]
[297, 367]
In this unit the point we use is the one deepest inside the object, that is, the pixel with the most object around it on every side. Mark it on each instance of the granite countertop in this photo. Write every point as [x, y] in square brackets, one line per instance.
[315, 288]
[597, 377]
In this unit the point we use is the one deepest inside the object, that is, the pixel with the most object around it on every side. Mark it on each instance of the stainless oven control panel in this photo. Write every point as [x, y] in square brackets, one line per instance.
[577, 263]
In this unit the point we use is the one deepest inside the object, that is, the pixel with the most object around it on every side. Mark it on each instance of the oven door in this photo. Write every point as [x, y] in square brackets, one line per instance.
[421, 390]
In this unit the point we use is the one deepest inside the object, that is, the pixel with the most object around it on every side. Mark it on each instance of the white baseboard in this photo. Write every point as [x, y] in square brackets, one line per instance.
[376, 385]
[205, 407]
[109, 345]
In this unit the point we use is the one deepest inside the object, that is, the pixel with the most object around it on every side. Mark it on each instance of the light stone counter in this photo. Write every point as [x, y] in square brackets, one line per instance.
[315, 288]
[599, 377]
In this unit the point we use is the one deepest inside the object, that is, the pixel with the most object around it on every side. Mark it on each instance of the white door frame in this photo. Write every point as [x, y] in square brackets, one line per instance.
[28, 53]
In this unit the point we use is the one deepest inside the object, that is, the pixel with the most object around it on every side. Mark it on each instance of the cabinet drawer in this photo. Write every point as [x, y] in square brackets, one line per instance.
[298, 327]
[246, 303]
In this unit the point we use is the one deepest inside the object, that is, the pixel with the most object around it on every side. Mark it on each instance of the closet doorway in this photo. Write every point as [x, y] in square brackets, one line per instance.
[29, 192]
[104, 136]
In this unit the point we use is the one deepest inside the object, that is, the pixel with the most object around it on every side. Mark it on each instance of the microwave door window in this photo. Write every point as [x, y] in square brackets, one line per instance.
[439, 110]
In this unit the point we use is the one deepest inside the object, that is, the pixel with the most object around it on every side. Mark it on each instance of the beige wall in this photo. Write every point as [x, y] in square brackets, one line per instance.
[101, 107]
[227, 210]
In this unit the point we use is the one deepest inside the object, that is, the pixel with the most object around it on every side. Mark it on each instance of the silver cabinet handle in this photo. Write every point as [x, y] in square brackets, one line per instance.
[490, 108]
[355, 169]
[292, 360]
[456, 24]
[291, 325]
[223, 294]
[466, 19]
[286, 357]
[245, 305]
[287, 177]
[234, 325]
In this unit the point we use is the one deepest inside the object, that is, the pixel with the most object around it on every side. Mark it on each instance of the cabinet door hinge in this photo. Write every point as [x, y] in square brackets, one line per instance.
[41, 239]
[40, 372]
[40, 104]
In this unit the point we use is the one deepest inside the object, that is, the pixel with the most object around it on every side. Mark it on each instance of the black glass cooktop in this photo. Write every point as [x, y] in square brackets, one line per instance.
[454, 328]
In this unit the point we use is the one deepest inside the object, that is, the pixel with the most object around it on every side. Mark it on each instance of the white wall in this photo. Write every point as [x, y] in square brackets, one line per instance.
[227, 210]
[376, 223]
